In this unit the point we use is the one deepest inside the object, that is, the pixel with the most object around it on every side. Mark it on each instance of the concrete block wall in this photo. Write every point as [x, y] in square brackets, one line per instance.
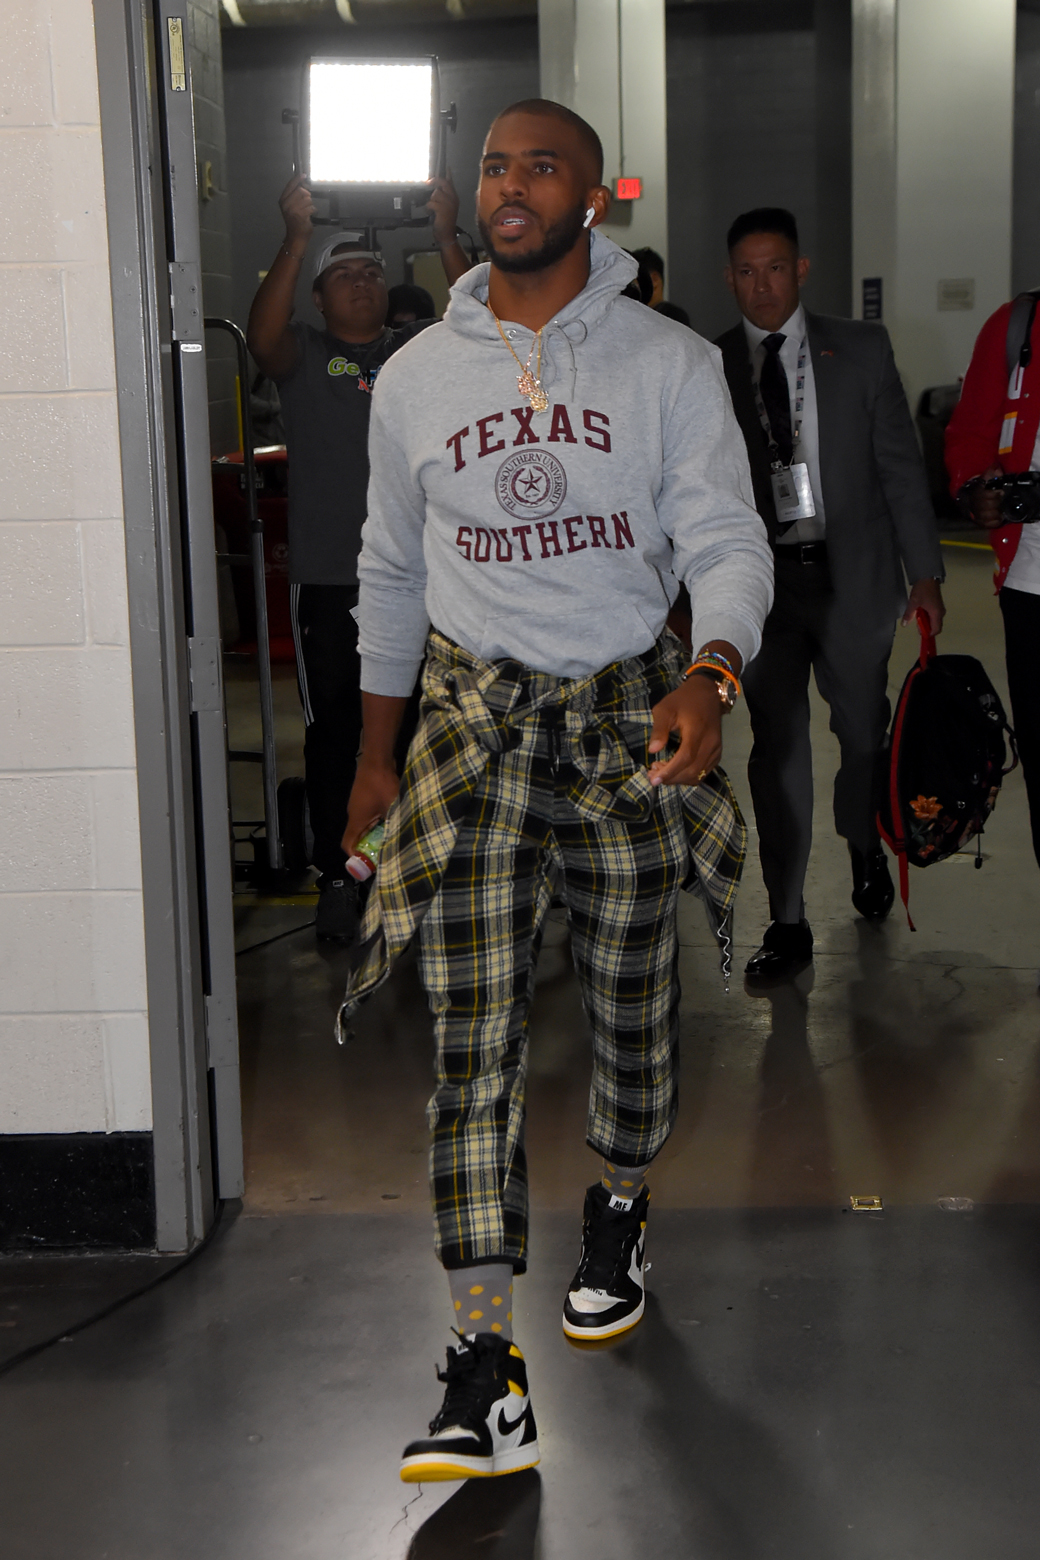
[73, 1020]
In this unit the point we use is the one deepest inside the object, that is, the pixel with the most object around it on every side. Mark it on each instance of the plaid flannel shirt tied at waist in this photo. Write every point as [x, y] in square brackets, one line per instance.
[474, 709]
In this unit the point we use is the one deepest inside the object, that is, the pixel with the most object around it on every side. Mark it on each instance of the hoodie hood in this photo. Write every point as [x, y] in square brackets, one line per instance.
[611, 270]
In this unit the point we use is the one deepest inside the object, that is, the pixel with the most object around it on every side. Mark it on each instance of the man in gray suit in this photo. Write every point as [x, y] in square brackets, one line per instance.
[841, 486]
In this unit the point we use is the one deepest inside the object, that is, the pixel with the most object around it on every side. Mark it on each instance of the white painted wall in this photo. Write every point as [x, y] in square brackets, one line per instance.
[605, 59]
[73, 1021]
[933, 130]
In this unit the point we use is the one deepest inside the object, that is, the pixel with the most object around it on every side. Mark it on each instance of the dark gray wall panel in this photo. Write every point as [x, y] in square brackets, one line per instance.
[757, 114]
[1025, 238]
[741, 133]
[832, 253]
[484, 67]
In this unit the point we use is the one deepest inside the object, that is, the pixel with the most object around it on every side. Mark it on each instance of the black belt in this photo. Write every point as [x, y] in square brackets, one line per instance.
[801, 552]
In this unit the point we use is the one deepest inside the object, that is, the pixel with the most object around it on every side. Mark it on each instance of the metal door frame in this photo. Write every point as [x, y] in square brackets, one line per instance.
[147, 140]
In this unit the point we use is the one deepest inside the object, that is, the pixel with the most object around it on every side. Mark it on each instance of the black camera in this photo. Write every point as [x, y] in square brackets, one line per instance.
[1020, 495]
[1020, 504]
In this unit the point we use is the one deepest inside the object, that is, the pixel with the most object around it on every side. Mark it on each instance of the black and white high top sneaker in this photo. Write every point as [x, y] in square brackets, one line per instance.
[486, 1423]
[606, 1293]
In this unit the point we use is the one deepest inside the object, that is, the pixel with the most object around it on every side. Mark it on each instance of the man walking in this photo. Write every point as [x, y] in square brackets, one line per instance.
[325, 379]
[842, 488]
[546, 464]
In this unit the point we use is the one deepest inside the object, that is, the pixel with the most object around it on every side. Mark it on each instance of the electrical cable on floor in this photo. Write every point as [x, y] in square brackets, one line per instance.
[277, 938]
[117, 1305]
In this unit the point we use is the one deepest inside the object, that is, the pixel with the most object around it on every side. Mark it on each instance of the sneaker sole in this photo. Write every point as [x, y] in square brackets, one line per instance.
[613, 1331]
[435, 1470]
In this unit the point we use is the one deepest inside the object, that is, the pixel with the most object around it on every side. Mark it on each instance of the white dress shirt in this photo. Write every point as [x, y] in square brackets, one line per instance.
[807, 447]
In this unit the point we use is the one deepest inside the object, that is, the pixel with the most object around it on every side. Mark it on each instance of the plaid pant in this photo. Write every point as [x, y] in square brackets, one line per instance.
[522, 839]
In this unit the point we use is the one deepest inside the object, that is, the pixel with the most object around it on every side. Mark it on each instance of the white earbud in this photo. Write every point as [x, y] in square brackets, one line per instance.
[590, 216]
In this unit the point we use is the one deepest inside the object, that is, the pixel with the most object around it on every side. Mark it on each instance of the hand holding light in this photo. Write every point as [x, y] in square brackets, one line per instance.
[297, 207]
[443, 206]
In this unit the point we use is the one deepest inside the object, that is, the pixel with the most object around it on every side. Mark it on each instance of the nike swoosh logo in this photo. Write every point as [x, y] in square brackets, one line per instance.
[505, 1427]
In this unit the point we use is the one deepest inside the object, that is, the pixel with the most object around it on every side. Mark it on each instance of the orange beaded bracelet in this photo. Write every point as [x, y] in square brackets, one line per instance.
[726, 680]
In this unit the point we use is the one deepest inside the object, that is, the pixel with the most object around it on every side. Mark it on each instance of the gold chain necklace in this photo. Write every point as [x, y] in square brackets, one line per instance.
[527, 383]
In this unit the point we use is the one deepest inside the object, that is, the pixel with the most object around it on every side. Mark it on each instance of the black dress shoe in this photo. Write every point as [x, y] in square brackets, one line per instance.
[872, 887]
[786, 948]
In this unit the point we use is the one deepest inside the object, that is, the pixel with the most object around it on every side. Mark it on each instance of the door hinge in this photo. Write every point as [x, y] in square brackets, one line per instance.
[185, 300]
[204, 674]
[178, 69]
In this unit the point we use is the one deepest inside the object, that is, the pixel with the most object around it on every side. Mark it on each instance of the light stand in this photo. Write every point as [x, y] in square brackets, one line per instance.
[372, 133]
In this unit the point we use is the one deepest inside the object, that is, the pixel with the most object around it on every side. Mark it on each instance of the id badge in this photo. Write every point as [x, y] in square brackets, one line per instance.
[792, 494]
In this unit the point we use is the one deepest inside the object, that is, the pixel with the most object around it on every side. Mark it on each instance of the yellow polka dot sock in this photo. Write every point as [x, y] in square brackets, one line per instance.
[482, 1299]
[623, 1182]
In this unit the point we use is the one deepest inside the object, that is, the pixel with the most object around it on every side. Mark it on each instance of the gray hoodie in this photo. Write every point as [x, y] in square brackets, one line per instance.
[556, 538]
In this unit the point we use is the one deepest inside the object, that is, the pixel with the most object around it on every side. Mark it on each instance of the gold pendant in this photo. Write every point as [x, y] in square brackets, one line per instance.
[528, 385]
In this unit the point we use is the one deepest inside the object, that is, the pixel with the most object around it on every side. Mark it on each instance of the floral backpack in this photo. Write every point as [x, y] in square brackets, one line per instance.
[945, 759]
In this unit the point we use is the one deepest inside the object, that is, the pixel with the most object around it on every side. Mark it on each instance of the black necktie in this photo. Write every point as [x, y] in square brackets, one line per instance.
[775, 397]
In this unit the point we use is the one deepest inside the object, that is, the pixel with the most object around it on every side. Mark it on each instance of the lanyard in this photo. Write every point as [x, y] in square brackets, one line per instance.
[799, 402]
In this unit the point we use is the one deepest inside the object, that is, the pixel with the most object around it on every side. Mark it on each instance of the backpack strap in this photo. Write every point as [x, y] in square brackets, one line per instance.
[1020, 330]
[1013, 745]
[896, 841]
[924, 628]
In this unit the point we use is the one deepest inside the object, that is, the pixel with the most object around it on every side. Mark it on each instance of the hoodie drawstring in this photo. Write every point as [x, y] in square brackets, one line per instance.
[580, 334]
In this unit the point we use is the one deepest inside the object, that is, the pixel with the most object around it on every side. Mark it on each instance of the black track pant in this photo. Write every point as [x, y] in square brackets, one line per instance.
[328, 669]
[1021, 611]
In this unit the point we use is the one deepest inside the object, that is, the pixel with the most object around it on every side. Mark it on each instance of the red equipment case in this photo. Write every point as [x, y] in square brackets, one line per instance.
[231, 512]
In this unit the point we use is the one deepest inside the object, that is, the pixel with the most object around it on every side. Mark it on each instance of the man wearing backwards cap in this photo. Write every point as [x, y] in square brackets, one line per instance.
[325, 380]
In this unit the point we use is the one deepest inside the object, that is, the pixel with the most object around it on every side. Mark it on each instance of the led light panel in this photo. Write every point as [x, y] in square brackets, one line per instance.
[371, 122]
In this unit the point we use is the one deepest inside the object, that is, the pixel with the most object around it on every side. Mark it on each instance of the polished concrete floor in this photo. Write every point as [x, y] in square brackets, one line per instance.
[905, 1065]
[809, 1383]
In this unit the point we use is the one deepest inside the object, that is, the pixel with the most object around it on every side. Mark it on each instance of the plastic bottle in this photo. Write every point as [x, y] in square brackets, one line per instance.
[362, 863]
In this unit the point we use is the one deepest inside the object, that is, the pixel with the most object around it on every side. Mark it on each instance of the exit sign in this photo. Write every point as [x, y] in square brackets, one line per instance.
[628, 189]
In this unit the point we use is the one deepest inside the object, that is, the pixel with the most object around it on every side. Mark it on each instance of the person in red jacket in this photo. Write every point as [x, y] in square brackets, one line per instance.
[995, 429]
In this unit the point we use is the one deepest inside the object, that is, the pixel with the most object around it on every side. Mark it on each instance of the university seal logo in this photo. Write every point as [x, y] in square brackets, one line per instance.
[531, 484]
